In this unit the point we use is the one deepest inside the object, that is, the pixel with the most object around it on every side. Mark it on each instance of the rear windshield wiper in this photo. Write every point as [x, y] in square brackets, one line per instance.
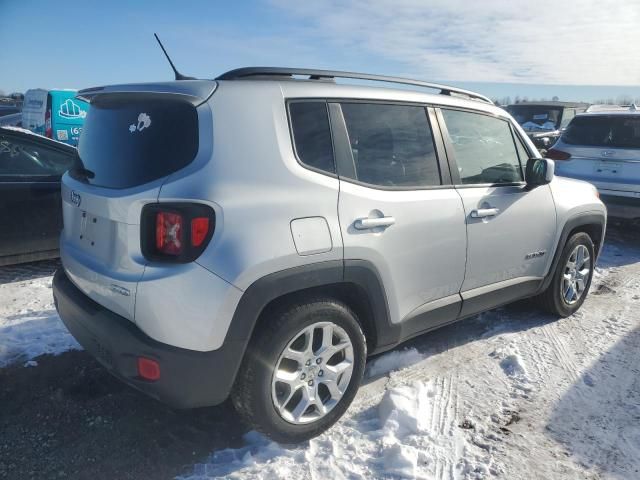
[82, 173]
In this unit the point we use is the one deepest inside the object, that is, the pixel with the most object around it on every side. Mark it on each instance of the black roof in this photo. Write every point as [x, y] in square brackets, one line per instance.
[263, 73]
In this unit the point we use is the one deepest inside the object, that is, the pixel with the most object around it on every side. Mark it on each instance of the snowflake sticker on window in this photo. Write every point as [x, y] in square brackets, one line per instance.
[144, 121]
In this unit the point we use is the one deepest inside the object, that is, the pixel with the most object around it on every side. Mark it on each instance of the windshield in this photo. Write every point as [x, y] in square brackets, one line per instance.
[532, 117]
[613, 131]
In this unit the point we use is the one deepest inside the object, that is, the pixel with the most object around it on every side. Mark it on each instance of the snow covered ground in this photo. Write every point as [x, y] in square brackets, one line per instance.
[512, 393]
[29, 324]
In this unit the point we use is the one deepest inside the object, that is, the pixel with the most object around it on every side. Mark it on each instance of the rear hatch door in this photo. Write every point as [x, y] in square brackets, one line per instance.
[131, 142]
[605, 150]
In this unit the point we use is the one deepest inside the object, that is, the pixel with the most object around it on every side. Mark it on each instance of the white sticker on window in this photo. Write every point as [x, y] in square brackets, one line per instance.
[144, 121]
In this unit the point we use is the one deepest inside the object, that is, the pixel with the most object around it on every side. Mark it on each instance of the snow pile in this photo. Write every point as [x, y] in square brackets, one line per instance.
[29, 324]
[394, 360]
[409, 433]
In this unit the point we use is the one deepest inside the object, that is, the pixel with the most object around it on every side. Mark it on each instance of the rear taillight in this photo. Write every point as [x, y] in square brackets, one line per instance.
[555, 154]
[175, 232]
[169, 233]
[47, 124]
[199, 229]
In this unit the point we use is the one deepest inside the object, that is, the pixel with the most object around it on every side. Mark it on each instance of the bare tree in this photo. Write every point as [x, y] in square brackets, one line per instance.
[555, 98]
[624, 99]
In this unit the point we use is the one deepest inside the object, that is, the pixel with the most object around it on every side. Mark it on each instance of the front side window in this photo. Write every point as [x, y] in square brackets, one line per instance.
[484, 148]
[25, 156]
[312, 134]
[392, 145]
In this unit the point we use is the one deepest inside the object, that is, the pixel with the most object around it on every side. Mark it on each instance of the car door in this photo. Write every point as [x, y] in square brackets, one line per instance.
[398, 210]
[30, 204]
[510, 227]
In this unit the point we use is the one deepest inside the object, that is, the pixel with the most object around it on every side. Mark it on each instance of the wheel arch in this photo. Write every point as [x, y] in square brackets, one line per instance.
[591, 223]
[355, 283]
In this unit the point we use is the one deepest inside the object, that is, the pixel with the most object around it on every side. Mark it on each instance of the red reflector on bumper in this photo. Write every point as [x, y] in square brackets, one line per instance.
[148, 369]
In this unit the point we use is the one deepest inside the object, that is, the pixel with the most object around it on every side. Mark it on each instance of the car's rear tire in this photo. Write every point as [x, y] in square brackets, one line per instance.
[311, 353]
[572, 278]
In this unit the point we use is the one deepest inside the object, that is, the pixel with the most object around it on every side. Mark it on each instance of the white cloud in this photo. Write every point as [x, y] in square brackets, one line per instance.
[589, 42]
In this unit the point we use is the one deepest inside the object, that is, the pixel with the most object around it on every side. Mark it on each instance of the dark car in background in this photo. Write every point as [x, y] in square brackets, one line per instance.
[30, 206]
[544, 121]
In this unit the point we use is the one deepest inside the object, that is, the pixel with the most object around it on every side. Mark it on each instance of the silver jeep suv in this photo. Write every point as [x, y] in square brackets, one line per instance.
[258, 236]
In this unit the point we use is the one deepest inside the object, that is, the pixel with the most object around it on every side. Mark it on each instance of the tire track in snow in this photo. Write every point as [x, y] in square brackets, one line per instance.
[565, 361]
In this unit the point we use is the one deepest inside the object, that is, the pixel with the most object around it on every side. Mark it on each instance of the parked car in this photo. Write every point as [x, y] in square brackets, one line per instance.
[30, 204]
[8, 110]
[11, 120]
[55, 114]
[544, 121]
[603, 148]
[329, 223]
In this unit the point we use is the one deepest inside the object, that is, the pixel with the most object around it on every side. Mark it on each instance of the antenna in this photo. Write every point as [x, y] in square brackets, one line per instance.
[179, 76]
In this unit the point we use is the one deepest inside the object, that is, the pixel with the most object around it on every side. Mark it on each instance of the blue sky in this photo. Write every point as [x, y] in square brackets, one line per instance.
[498, 47]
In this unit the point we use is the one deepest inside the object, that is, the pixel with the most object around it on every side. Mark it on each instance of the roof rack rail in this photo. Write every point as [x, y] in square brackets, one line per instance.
[249, 72]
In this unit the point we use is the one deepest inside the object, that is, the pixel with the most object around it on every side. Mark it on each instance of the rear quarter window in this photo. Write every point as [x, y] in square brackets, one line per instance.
[312, 134]
[132, 139]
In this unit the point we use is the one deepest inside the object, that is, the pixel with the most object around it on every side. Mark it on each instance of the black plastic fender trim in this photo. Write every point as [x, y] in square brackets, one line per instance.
[579, 220]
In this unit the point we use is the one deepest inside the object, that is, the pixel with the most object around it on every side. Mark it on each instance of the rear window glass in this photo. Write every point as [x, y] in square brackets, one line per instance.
[131, 139]
[612, 131]
[392, 145]
[312, 135]
[533, 117]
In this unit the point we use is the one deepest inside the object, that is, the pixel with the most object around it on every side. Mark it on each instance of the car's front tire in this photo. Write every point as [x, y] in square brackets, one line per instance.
[301, 371]
[572, 278]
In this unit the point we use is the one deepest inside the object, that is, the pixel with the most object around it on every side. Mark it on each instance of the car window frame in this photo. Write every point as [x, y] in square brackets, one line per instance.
[450, 149]
[296, 155]
[344, 156]
[45, 143]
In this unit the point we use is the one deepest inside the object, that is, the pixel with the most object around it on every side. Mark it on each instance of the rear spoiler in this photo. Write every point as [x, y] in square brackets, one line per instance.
[195, 91]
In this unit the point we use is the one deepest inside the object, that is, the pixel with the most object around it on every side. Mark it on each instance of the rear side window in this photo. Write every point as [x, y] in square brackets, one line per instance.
[132, 139]
[484, 148]
[392, 145]
[312, 134]
[567, 116]
[23, 155]
[609, 131]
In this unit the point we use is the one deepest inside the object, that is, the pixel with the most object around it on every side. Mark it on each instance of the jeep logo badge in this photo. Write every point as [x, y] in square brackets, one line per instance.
[75, 198]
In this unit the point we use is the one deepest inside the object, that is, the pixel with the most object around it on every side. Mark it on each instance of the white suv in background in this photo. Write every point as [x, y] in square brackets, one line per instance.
[603, 147]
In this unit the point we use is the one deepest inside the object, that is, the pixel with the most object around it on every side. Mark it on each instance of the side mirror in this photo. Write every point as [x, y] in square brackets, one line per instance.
[539, 171]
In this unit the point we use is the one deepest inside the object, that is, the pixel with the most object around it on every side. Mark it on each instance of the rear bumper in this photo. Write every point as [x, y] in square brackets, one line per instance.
[187, 378]
[619, 206]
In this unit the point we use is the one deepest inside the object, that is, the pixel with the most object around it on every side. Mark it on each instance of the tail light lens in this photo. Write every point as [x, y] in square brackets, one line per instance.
[175, 232]
[199, 230]
[48, 132]
[169, 233]
[555, 154]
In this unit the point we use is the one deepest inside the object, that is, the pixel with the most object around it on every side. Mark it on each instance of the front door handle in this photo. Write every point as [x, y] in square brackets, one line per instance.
[368, 223]
[484, 212]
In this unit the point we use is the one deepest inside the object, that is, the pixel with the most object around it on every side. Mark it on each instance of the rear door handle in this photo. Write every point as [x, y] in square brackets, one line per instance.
[368, 223]
[484, 212]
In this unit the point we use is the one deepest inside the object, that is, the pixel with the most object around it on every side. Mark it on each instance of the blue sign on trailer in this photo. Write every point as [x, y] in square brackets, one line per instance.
[56, 114]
